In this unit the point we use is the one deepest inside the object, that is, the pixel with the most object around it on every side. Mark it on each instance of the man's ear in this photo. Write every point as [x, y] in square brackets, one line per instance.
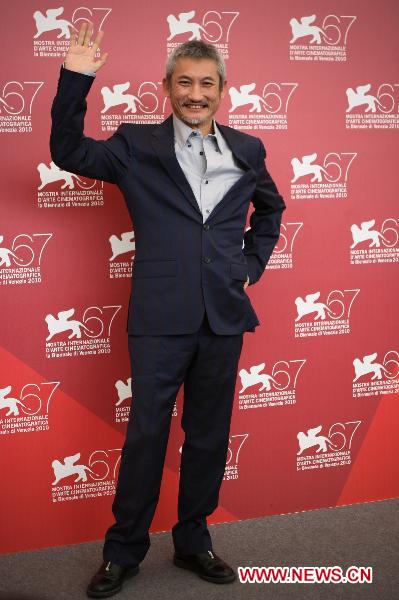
[165, 85]
[224, 89]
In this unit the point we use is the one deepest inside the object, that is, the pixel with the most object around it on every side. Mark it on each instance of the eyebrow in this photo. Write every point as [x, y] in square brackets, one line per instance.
[207, 77]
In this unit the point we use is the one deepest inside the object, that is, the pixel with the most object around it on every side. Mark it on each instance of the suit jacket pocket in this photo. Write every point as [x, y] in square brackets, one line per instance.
[154, 268]
[239, 271]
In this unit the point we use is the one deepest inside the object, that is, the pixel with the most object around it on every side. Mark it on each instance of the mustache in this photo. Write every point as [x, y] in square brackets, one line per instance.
[194, 104]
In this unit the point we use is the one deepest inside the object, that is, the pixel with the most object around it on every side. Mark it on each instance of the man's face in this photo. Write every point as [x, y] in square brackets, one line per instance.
[194, 91]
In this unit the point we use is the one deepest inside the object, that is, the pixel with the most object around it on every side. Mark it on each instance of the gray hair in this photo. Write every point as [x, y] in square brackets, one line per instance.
[196, 49]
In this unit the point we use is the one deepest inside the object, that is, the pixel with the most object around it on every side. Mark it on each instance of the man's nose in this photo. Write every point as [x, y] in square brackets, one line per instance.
[195, 93]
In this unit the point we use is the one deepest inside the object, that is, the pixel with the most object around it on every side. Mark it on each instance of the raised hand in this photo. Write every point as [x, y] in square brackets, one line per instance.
[81, 56]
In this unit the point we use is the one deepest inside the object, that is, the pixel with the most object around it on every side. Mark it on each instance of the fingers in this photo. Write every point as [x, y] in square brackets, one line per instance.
[101, 61]
[72, 36]
[72, 40]
[84, 39]
[85, 33]
[97, 41]
[89, 33]
[82, 34]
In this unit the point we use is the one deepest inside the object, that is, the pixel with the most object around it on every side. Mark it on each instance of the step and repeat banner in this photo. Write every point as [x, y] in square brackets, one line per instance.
[316, 403]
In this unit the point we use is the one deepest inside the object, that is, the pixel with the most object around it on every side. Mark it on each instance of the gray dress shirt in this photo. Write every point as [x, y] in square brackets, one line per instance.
[207, 162]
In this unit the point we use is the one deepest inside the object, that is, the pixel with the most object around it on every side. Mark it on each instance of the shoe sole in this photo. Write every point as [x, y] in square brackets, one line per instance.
[114, 591]
[183, 565]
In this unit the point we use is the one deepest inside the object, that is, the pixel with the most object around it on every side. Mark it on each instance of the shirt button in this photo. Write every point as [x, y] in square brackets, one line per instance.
[207, 210]
[206, 181]
[189, 145]
[206, 225]
[201, 153]
[207, 260]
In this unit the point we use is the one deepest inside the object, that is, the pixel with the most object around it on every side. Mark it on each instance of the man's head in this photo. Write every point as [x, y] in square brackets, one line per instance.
[195, 82]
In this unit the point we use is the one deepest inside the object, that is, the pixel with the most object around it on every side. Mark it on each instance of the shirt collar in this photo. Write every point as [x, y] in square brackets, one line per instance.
[183, 131]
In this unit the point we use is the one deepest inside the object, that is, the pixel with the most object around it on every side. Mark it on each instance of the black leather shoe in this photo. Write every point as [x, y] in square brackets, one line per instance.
[207, 565]
[108, 580]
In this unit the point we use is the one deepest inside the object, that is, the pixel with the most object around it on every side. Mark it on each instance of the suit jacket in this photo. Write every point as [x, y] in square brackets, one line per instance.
[182, 265]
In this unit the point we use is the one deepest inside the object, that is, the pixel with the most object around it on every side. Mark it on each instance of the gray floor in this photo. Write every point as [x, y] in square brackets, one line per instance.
[361, 534]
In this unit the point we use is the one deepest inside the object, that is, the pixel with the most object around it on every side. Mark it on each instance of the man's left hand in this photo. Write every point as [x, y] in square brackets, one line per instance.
[246, 283]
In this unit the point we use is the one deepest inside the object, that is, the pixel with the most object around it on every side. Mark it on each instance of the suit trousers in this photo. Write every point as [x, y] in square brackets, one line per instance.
[207, 365]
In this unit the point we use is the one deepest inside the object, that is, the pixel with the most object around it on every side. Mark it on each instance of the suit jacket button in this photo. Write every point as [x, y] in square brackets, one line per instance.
[207, 260]
[206, 226]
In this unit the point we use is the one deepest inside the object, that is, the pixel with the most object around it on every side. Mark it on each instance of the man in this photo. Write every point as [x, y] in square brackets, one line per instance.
[187, 183]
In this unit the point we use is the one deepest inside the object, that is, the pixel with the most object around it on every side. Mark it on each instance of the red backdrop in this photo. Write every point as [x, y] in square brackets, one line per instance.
[316, 403]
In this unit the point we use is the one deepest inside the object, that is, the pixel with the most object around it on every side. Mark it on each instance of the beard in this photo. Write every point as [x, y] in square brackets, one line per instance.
[192, 120]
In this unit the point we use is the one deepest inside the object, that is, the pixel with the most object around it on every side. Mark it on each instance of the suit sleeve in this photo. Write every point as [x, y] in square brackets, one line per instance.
[265, 221]
[70, 149]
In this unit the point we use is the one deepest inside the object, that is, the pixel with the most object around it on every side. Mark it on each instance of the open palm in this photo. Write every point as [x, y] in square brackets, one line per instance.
[81, 56]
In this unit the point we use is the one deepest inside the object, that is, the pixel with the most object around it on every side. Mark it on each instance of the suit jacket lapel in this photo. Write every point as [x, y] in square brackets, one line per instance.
[235, 143]
[163, 143]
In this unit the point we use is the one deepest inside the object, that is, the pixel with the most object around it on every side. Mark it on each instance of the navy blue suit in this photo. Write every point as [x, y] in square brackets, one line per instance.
[188, 309]
[182, 265]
